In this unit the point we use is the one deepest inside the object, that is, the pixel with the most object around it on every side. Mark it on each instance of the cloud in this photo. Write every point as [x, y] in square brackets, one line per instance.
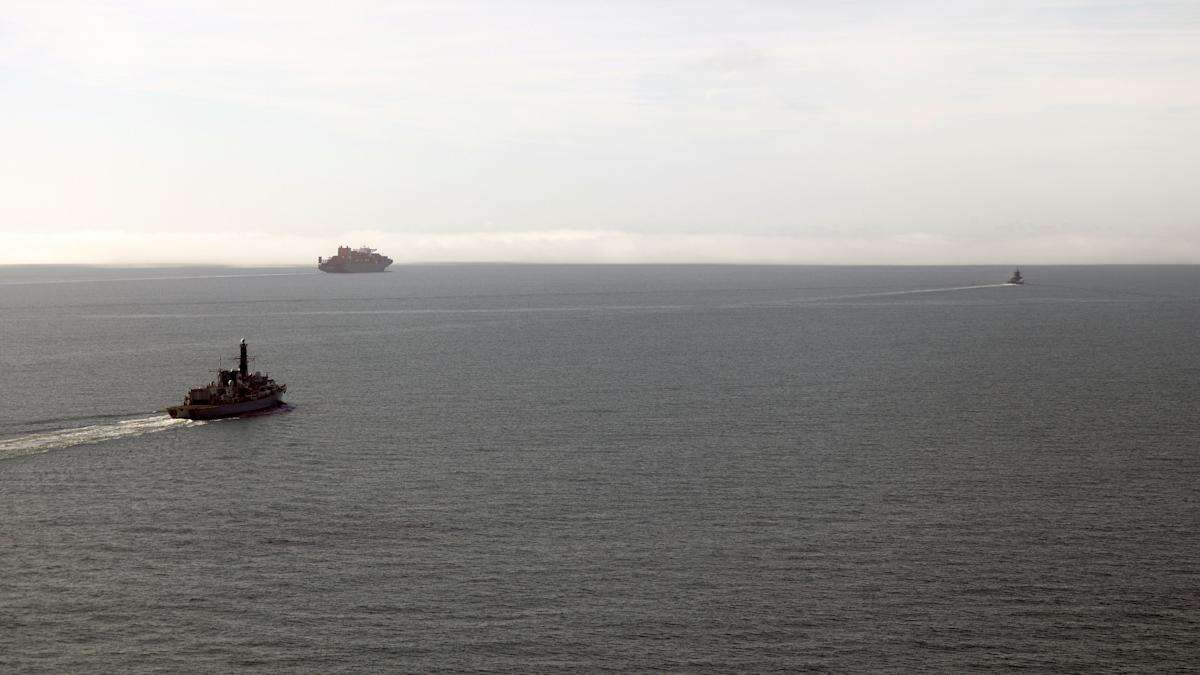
[597, 246]
[521, 67]
[645, 121]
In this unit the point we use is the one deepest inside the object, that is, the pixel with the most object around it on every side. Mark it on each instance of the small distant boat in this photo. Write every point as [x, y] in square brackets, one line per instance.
[1016, 277]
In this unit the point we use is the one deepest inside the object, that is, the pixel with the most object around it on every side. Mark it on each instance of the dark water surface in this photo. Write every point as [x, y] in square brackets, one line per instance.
[632, 468]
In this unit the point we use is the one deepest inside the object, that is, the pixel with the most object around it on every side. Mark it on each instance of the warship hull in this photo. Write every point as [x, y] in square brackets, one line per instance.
[210, 412]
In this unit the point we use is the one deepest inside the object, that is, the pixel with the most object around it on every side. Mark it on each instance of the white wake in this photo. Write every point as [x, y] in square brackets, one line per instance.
[64, 438]
[881, 294]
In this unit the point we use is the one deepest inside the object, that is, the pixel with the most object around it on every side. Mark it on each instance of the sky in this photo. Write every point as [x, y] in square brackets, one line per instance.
[819, 132]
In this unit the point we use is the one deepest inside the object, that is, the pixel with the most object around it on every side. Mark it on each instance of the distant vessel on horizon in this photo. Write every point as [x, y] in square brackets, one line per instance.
[361, 259]
[1016, 278]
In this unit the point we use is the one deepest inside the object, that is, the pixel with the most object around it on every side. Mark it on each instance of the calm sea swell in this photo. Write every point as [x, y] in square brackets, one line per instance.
[630, 468]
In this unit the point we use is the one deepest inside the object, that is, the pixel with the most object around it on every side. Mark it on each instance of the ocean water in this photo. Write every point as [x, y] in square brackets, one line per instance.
[546, 468]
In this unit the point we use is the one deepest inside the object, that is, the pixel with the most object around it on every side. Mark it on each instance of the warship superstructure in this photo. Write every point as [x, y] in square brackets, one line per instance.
[1016, 277]
[360, 259]
[234, 392]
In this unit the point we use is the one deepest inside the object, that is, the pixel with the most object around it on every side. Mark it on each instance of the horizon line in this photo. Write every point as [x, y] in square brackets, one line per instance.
[511, 263]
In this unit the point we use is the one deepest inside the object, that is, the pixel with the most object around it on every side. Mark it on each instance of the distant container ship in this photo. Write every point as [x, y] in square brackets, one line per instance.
[361, 259]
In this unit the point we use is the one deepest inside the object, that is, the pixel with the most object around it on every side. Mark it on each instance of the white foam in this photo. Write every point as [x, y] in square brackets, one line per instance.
[96, 433]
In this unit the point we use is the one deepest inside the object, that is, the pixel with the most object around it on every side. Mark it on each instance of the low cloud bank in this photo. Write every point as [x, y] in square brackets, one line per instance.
[592, 246]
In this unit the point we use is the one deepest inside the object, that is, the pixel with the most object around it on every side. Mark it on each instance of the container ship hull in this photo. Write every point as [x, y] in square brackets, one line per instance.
[210, 412]
[354, 267]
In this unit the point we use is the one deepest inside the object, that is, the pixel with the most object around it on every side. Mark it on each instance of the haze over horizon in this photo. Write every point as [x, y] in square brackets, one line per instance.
[841, 133]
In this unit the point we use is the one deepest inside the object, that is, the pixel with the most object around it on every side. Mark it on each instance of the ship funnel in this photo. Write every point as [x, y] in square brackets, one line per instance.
[243, 366]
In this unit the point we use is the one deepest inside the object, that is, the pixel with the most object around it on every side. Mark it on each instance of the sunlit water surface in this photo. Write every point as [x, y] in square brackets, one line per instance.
[632, 468]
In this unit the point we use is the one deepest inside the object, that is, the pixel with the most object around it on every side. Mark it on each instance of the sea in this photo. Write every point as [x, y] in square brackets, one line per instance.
[541, 468]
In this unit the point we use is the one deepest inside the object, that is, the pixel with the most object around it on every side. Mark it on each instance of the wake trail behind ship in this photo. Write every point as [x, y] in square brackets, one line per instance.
[46, 441]
[881, 294]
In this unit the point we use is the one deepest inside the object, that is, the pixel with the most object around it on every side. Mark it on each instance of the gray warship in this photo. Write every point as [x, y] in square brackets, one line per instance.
[360, 259]
[1016, 279]
[234, 392]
